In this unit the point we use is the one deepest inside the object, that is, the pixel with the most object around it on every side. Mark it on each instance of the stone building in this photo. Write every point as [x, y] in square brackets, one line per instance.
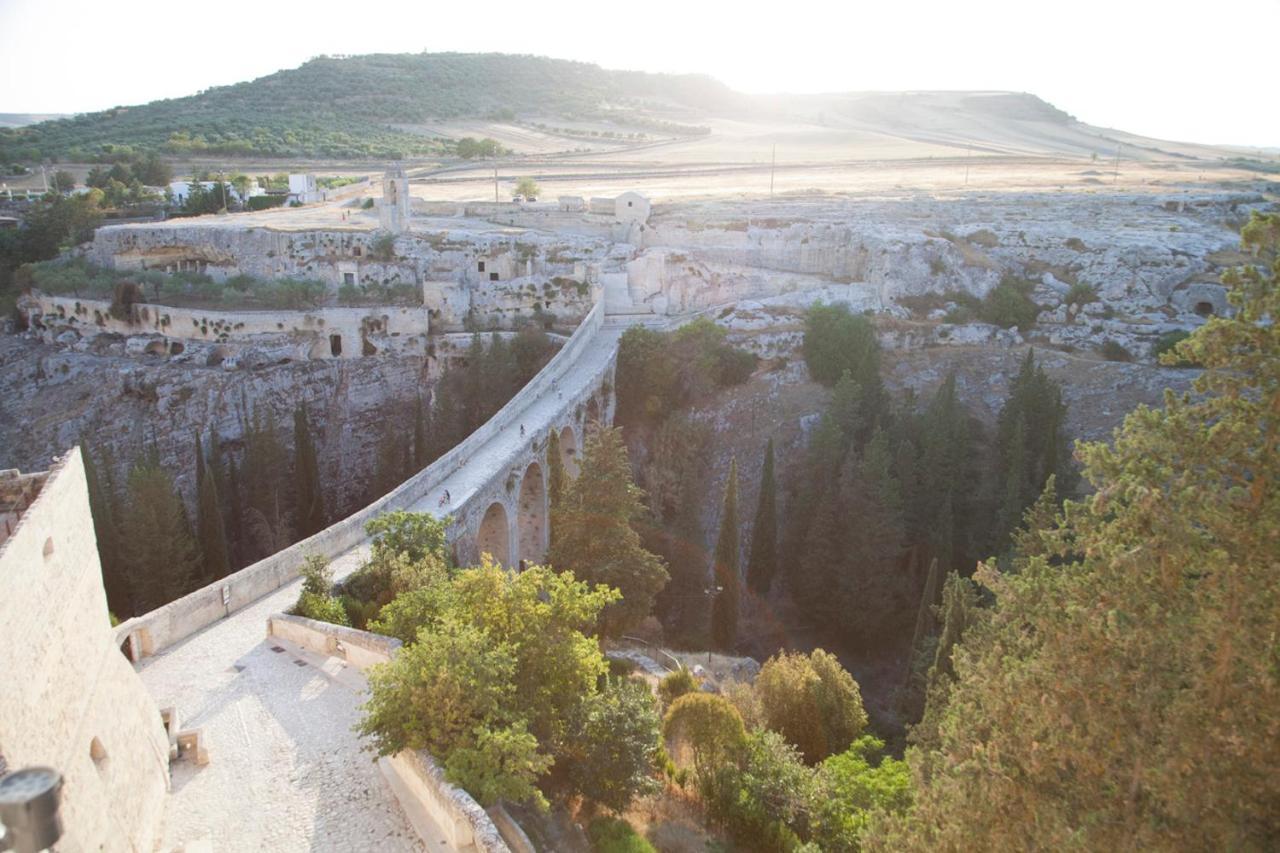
[393, 210]
[71, 699]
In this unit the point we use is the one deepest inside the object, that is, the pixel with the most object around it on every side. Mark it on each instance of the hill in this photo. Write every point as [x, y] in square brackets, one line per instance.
[358, 106]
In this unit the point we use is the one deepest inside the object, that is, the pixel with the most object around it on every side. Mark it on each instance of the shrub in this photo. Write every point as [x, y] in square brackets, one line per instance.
[1114, 351]
[614, 835]
[1167, 343]
[317, 577]
[765, 801]
[383, 247]
[323, 608]
[1009, 304]
[610, 759]
[812, 701]
[837, 340]
[1081, 294]
[675, 685]
[709, 727]
[1075, 244]
[367, 204]
[849, 787]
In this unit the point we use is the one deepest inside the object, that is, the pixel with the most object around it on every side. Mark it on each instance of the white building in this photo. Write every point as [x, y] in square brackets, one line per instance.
[631, 207]
[303, 189]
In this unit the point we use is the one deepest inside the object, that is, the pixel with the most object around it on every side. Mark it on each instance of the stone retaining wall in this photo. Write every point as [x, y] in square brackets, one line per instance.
[431, 803]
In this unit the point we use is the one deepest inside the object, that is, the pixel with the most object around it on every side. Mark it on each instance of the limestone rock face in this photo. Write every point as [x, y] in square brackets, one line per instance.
[118, 400]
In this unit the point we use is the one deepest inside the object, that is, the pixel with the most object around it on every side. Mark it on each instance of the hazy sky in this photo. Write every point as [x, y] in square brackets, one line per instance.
[1174, 69]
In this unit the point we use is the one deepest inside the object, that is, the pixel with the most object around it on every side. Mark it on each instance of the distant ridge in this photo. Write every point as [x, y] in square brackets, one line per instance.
[355, 107]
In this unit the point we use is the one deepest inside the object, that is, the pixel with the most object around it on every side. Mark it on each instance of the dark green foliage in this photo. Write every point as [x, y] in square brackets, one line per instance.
[1009, 304]
[349, 107]
[610, 758]
[724, 568]
[1166, 344]
[615, 835]
[1032, 445]
[662, 372]
[104, 504]
[595, 538]
[309, 494]
[466, 396]
[763, 563]
[837, 341]
[1114, 351]
[421, 445]
[763, 802]
[211, 533]
[1081, 294]
[675, 685]
[158, 548]
[265, 470]
[957, 612]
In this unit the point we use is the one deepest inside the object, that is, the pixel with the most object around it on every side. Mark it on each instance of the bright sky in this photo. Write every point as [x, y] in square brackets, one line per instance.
[1175, 69]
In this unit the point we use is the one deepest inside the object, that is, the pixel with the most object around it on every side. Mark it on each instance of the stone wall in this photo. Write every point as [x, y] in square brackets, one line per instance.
[429, 801]
[71, 699]
[319, 333]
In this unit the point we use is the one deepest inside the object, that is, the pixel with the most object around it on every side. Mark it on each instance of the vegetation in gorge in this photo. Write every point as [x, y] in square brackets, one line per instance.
[270, 490]
[1147, 613]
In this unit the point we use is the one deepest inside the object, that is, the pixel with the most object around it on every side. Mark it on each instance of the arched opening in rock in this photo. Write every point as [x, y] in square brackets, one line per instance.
[335, 345]
[1204, 309]
[155, 348]
[533, 515]
[176, 347]
[493, 537]
[569, 451]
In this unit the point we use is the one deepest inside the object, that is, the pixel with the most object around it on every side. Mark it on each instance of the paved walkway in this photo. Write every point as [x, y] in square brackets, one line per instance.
[285, 770]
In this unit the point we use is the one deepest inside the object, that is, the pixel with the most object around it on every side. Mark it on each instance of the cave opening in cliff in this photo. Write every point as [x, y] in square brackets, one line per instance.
[335, 345]
[1204, 309]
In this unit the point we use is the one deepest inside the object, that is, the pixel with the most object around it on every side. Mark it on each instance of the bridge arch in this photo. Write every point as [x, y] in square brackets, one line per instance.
[494, 536]
[532, 515]
[569, 452]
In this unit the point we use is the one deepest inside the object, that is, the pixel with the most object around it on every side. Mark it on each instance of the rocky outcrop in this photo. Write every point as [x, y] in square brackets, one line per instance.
[52, 398]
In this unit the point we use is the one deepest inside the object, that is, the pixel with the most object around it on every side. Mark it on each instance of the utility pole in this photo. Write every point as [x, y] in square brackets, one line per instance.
[773, 164]
[495, 184]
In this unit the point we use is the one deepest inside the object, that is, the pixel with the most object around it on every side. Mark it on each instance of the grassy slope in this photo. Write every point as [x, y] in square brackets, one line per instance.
[346, 107]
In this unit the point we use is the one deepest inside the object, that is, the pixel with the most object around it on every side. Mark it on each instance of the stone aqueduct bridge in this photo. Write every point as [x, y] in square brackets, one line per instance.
[494, 484]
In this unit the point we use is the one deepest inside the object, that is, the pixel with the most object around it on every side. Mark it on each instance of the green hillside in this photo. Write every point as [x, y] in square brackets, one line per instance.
[350, 107]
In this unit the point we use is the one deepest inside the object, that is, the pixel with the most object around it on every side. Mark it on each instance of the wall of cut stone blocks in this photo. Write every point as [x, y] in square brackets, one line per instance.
[71, 699]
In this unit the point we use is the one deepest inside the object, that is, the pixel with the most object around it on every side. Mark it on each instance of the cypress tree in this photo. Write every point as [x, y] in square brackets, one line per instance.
[959, 610]
[306, 477]
[264, 469]
[103, 507]
[926, 622]
[235, 517]
[211, 532]
[555, 473]
[724, 611]
[763, 562]
[161, 554]
[595, 538]
[871, 513]
[421, 450]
